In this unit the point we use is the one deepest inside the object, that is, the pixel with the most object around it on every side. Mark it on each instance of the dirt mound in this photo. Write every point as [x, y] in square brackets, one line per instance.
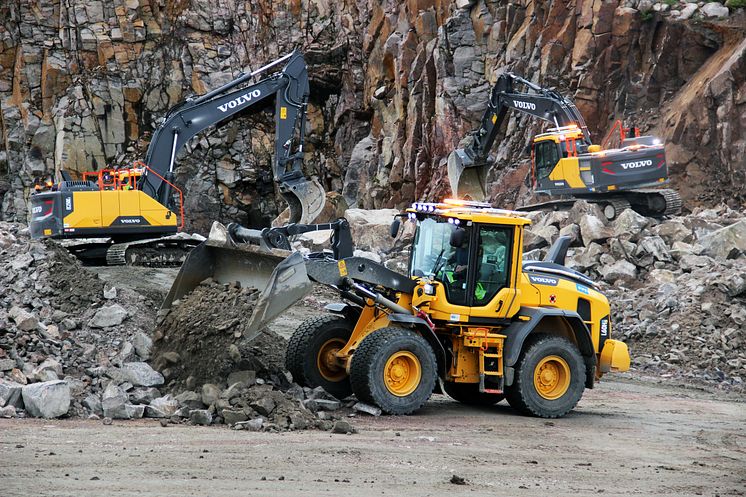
[201, 340]
[210, 366]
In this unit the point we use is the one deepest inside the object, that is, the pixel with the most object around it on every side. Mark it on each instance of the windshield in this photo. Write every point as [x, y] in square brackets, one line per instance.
[431, 248]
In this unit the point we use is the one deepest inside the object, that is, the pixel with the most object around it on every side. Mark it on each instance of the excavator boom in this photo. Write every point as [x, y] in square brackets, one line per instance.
[290, 90]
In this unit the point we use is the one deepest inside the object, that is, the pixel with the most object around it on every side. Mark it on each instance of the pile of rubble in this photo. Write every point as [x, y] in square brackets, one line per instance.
[72, 345]
[677, 287]
[60, 321]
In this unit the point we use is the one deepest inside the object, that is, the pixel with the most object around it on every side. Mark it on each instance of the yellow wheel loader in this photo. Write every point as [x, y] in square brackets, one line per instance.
[471, 318]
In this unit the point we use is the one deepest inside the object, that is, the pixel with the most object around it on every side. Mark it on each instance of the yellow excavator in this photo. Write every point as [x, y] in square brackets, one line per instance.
[141, 207]
[472, 318]
[564, 161]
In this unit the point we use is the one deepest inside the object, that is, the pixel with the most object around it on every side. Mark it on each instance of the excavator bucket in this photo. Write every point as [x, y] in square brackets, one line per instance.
[280, 275]
[466, 178]
[305, 197]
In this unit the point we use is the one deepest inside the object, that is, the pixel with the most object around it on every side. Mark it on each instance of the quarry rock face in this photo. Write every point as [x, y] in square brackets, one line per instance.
[394, 87]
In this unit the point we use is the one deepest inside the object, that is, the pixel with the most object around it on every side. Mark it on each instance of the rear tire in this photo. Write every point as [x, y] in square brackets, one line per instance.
[549, 378]
[394, 369]
[309, 356]
[468, 393]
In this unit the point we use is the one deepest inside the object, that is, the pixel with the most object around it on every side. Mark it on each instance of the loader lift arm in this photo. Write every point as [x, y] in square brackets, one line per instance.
[290, 89]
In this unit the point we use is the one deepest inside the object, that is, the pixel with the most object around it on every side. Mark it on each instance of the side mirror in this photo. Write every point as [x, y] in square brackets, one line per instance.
[457, 237]
[395, 227]
[594, 148]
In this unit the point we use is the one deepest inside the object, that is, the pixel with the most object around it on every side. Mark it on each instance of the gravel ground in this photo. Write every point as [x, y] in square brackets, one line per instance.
[625, 438]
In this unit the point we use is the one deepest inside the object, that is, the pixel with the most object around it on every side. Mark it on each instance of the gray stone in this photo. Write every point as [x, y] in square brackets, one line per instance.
[7, 364]
[235, 390]
[141, 374]
[108, 316]
[342, 426]
[50, 399]
[629, 222]
[93, 404]
[263, 406]
[210, 394]
[200, 417]
[25, 321]
[144, 395]
[114, 402]
[620, 270]
[715, 9]
[233, 416]
[246, 377]
[573, 231]
[143, 345]
[162, 407]
[10, 393]
[654, 246]
[592, 229]
[725, 242]
[322, 404]
[255, 424]
[688, 11]
[190, 399]
[8, 412]
[367, 408]
[135, 411]
[49, 370]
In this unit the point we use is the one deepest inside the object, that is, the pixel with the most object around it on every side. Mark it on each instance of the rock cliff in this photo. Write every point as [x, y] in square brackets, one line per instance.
[395, 85]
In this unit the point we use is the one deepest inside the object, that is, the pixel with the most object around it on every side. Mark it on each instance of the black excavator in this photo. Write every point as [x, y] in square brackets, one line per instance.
[564, 162]
[138, 211]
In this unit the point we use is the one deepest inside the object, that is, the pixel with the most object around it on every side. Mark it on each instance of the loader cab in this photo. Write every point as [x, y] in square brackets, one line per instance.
[470, 259]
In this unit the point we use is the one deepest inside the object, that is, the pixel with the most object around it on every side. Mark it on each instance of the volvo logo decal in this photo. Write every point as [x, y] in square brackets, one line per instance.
[243, 99]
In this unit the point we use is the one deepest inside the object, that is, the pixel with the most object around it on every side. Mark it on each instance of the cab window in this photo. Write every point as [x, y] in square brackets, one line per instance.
[493, 255]
[546, 157]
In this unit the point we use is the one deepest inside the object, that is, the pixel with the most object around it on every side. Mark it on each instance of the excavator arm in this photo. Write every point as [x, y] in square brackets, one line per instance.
[290, 90]
[467, 166]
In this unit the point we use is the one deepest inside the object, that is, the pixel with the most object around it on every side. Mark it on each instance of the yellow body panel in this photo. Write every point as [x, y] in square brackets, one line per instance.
[100, 209]
[614, 357]
[568, 170]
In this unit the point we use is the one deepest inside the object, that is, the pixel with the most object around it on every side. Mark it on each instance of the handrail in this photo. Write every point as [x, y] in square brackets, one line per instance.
[181, 195]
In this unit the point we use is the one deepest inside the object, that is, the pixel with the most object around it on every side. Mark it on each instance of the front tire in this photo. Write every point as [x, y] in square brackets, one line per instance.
[310, 354]
[549, 378]
[394, 369]
[468, 393]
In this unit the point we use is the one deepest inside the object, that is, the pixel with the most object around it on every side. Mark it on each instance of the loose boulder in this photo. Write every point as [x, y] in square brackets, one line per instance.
[49, 399]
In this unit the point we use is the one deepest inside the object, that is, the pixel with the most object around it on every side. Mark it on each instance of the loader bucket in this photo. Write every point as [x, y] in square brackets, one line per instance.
[466, 178]
[279, 275]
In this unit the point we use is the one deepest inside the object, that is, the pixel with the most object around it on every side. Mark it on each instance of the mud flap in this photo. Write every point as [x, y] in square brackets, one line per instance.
[280, 275]
[466, 178]
[306, 199]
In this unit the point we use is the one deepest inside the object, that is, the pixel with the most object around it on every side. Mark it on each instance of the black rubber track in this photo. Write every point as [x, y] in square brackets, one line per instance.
[366, 369]
[522, 394]
[300, 358]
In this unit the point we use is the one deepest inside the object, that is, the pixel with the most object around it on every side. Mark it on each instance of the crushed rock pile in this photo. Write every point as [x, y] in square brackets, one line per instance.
[64, 333]
[215, 375]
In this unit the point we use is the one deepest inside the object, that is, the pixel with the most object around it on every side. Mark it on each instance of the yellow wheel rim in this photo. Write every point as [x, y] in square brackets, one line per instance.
[552, 377]
[326, 360]
[402, 373]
